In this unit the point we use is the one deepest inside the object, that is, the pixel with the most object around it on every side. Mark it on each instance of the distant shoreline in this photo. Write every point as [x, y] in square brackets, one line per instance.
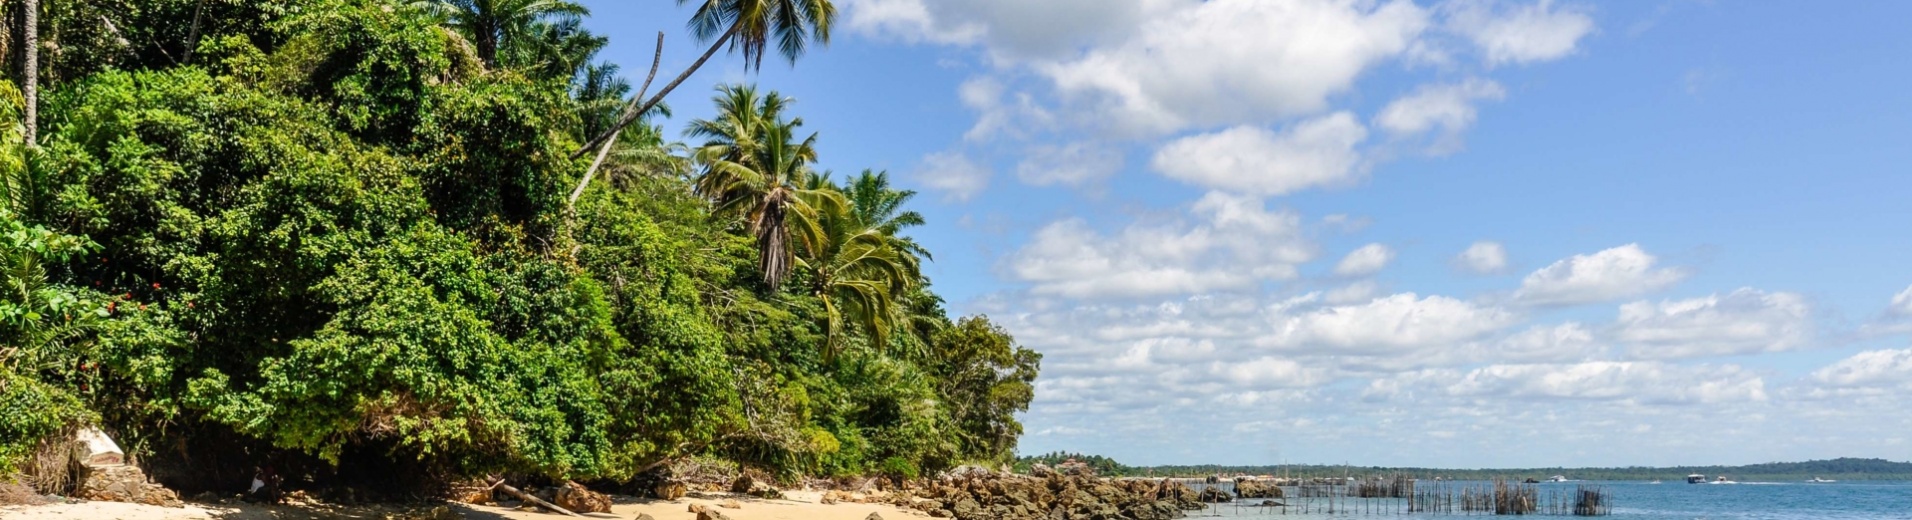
[1843, 469]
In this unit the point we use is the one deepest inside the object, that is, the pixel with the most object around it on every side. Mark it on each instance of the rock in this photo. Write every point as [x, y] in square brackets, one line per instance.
[730, 503]
[670, 490]
[124, 483]
[696, 508]
[100, 450]
[1251, 488]
[578, 499]
[472, 493]
[967, 509]
[1214, 495]
[743, 484]
[939, 513]
[643, 516]
[873, 516]
[1041, 470]
[711, 514]
[1075, 469]
[753, 487]
[827, 500]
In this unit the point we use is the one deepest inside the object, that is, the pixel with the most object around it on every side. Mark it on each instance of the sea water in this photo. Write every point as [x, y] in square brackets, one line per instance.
[1673, 500]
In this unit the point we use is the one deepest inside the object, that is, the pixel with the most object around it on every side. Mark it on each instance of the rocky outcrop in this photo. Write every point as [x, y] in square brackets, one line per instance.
[124, 483]
[968, 494]
[745, 484]
[670, 490]
[1214, 495]
[1252, 488]
[578, 499]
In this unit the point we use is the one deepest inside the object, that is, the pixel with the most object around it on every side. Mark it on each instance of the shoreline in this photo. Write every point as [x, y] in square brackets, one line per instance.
[798, 505]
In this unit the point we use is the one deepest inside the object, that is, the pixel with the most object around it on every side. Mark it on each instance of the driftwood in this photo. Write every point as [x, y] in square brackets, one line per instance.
[501, 486]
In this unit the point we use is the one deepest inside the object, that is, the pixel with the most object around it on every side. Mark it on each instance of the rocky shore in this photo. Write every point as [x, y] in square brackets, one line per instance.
[978, 494]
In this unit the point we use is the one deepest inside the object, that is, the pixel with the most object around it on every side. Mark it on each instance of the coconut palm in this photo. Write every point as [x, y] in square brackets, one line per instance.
[747, 26]
[490, 23]
[755, 170]
[878, 206]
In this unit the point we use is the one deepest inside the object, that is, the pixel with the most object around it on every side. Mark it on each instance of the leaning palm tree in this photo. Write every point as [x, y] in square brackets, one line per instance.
[755, 170]
[490, 23]
[859, 275]
[878, 206]
[747, 26]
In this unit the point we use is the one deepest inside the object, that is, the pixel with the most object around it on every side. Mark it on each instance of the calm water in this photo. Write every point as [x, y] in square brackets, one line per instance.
[1674, 500]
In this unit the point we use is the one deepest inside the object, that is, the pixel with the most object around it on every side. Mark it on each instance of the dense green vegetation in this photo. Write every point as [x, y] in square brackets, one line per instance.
[334, 237]
[1102, 465]
[1837, 469]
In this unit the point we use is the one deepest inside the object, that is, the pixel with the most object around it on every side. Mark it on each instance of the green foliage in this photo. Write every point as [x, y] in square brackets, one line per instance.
[1102, 465]
[337, 239]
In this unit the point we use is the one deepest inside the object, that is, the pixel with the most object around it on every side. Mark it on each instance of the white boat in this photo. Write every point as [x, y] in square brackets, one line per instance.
[1557, 478]
[1722, 480]
[1817, 480]
[1654, 482]
[1696, 479]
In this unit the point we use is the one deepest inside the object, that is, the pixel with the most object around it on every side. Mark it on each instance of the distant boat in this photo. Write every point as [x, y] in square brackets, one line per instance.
[1817, 480]
[1557, 478]
[1722, 480]
[1654, 482]
[1696, 479]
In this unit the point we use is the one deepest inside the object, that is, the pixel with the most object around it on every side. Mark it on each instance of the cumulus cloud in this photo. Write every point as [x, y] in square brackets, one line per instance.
[1744, 321]
[1254, 160]
[1357, 292]
[1483, 257]
[1562, 342]
[1519, 34]
[1620, 272]
[954, 174]
[1074, 164]
[1366, 260]
[1902, 303]
[1232, 244]
[1397, 323]
[1011, 30]
[1224, 62]
[1872, 368]
[1446, 109]
[1608, 380]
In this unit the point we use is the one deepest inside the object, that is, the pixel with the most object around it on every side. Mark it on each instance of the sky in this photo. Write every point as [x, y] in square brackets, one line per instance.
[1456, 233]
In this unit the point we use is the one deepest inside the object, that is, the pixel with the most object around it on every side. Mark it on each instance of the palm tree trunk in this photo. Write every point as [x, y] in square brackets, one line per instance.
[605, 149]
[32, 72]
[632, 115]
[192, 37]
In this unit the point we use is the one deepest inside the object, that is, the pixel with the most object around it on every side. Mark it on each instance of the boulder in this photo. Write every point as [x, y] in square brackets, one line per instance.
[711, 514]
[1252, 488]
[1041, 470]
[730, 503]
[100, 449]
[873, 516]
[578, 499]
[747, 485]
[123, 483]
[670, 490]
[1214, 495]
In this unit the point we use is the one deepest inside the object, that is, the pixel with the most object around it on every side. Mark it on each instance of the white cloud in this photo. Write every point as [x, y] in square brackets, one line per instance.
[1519, 34]
[1010, 30]
[1483, 257]
[1222, 62]
[1608, 380]
[909, 20]
[1872, 368]
[1448, 108]
[954, 174]
[1074, 164]
[1620, 272]
[1254, 160]
[1391, 324]
[1565, 342]
[1366, 260]
[1235, 243]
[1745, 321]
[1357, 292]
[1902, 303]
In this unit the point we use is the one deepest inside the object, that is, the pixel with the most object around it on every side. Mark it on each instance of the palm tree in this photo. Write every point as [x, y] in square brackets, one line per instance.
[31, 71]
[858, 271]
[879, 207]
[747, 26]
[490, 23]
[755, 170]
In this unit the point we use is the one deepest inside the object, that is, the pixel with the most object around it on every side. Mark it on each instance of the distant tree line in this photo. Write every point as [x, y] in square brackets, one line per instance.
[1836, 469]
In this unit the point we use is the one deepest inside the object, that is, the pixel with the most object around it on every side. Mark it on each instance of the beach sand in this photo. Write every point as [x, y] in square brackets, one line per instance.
[801, 505]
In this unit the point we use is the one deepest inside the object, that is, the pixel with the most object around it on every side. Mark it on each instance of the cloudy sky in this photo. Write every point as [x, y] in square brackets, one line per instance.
[1443, 232]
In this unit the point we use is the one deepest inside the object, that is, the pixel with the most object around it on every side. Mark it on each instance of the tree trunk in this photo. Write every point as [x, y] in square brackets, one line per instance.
[605, 149]
[31, 88]
[192, 37]
[632, 115]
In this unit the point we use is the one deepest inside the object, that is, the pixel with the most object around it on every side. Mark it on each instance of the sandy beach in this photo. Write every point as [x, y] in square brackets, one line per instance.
[800, 505]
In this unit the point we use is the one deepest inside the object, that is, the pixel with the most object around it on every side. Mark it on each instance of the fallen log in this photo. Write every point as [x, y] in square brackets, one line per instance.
[501, 486]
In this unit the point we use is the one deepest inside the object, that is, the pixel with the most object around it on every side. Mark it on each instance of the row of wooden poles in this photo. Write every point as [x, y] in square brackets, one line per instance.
[1404, 496]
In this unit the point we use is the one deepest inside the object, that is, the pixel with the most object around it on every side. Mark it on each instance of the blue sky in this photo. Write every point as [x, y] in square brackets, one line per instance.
[1453, 233]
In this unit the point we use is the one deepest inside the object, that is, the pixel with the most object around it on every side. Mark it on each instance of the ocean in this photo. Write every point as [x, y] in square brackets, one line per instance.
[1672, 500]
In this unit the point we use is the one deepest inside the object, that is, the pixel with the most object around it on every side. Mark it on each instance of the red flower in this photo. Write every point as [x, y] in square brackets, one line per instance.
[155, 286]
